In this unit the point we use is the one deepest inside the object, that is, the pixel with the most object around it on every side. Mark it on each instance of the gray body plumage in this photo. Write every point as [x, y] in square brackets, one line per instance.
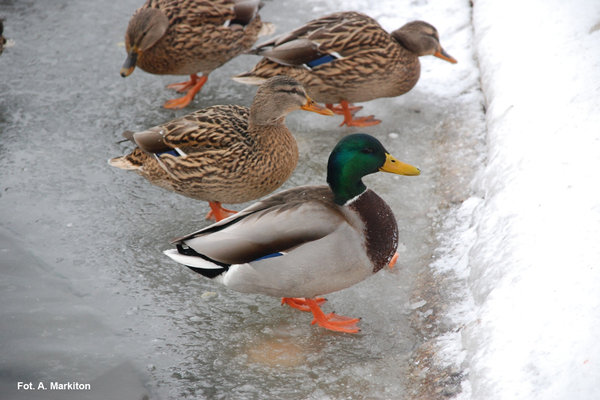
[325, 246]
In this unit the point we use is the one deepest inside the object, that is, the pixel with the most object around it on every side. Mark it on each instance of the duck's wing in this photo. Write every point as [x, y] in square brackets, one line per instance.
[325, 39]
[202, 12]
[216, 127]
[277, 224]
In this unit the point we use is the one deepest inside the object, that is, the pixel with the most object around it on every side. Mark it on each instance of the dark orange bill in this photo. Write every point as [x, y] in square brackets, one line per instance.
[129, 64]
[314, 107]
[445, 56]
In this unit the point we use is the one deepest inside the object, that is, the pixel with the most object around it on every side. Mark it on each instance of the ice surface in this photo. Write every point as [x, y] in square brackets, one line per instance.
[85, 287]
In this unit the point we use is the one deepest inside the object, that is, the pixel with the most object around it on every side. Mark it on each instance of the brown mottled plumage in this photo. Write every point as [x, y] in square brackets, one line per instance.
[186, 37]
[362, 61]
[227, 153]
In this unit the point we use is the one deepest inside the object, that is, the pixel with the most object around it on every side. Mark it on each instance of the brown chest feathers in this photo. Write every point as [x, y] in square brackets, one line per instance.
[381, 229]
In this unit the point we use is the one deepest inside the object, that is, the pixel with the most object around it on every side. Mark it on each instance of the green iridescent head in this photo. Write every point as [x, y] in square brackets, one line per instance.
[358, 155]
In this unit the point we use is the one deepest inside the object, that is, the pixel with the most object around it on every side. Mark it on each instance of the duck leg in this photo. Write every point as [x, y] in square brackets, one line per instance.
[299, 303]
[191, 87]
[182, 87]
[348, 111]
[217, 212]
[332, 321]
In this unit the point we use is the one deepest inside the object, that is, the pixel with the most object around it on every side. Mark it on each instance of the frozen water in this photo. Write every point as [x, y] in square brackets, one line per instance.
[86, 291]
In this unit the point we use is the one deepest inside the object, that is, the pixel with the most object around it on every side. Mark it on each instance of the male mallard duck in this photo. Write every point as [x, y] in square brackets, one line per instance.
[348, 57]
[184, 37]
[227, 153]
[306, 241]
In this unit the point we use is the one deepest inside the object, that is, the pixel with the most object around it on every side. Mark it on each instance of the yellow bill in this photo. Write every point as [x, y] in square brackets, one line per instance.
[398, 167]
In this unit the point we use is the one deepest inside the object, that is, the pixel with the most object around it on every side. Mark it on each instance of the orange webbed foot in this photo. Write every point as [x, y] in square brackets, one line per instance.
[217, 212]
[299, 303]
[182, 87]
[361, 121]
[192, 87]
[331, 321]
[349, 110]
[180, 102]
[393, 260]
[339, 110]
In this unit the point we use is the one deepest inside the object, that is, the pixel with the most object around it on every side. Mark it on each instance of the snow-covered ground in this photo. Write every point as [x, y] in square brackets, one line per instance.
[527, 243]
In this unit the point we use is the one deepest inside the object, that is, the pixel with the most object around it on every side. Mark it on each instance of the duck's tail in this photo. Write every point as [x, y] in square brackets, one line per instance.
[267, 29]
[197, 262]
[123, 163]
[126, 162]
[249, 79]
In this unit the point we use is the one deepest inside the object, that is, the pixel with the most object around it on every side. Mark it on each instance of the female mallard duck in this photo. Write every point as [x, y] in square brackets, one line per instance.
[347, 57]
[184, 37]
[306, 241]
[224, 154]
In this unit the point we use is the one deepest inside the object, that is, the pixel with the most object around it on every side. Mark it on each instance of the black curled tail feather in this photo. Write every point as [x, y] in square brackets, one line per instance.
[207, 272]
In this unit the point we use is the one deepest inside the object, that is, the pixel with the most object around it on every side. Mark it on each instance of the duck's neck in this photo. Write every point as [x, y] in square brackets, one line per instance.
[268, 134]
[255, 121]
[258, 119]
[347, 194]
[344, 185]
[272, 141]
[264, 113]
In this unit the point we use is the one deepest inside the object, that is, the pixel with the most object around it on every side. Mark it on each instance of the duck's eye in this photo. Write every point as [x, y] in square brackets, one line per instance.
[293, 91]
[367, 150]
